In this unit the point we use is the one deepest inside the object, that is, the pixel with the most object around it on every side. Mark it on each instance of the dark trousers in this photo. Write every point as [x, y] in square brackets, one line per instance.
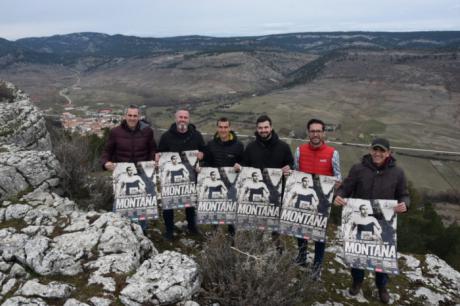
[319, 251]
[168, 217]
[231, 229]
[381, 279]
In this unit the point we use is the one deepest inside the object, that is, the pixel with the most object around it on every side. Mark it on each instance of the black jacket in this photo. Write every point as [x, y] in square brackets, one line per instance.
[173, 141]
[367, 181]
[272, 153]
[220, 153]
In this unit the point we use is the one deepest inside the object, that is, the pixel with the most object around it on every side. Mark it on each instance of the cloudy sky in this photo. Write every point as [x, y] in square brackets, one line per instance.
[162, 18]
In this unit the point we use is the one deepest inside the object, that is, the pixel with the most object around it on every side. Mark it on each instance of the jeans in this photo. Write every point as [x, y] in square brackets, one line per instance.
[168, 217]
[319, 251]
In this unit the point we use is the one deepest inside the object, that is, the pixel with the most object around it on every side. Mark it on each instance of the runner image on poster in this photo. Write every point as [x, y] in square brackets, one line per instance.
[135, 191]
[178, 179]
[216, 196]
[306, 205]
[369, 235]
[259, 198]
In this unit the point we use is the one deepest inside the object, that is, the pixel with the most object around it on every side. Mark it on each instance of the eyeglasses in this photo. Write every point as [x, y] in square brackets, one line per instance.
[315, 131]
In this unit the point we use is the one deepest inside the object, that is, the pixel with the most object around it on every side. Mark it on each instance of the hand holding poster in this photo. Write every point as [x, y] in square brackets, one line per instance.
[216, 196]
[306, 205]
[259, 198]
[135, 191]
[178, 179]
[369, 235]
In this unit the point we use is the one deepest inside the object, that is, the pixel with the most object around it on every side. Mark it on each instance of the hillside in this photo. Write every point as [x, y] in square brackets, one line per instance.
[405, 86]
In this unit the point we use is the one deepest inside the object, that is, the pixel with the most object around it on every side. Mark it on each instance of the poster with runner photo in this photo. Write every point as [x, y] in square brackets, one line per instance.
[216, 196]
[306, 205]
[178, 179]
[135, 191]
[259, 198]
[369, 235]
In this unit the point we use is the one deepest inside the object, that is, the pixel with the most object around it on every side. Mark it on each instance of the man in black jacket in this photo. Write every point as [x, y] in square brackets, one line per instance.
[267, 151]
[376, 177]
[224, 150]
[181, 136]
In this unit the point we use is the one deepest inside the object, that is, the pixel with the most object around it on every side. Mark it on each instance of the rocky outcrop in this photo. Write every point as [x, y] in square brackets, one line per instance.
[22, 125]
[53, 253]
[46, 235]
[26, 162]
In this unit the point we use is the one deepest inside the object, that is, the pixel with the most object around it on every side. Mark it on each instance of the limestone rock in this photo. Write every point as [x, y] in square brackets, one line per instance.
[55, 290]
[165, 279]
[23, 301]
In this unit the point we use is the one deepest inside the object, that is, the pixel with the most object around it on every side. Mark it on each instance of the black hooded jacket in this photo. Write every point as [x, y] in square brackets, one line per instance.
[367, 181]
[220, 153]
[173, 141]
[271, 153]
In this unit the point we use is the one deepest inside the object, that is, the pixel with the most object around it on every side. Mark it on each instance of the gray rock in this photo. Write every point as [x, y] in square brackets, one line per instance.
[74, 302]
[12, 245]
[41, 215]
[165, 279]
[107, 283]
[16, 211]
[55, 290]
[97, 301]
[191, 303]
[23, 301]
[6, 288]
[38, 230]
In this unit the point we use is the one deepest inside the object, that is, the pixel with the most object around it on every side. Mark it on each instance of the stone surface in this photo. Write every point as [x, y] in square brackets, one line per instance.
[33, 288]
[165, 279]
[24, 301]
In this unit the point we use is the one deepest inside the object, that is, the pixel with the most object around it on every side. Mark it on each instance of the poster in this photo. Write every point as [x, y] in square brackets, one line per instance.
[369, 235]
[306, 205]
[259, 198]
[135, 191]
[216, 196]
[178, 179]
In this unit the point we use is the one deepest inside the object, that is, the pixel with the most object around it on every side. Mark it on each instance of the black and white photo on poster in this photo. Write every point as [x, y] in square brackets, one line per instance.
[258, 195]
[306, 205]
[369, 235]
[178, 179]
[216, 196]
[135, 193]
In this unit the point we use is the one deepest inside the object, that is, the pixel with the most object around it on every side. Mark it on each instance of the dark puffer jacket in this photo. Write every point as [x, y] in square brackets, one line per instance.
[126, 145]
[272, 153]
[173, 141]
[367, 181]
[220, 153]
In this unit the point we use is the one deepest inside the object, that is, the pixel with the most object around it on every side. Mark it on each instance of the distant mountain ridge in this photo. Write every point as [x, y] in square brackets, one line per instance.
[66, 49]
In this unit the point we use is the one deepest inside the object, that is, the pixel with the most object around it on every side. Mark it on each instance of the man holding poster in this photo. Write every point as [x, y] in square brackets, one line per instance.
[316, 157]
[376, 177]
[132, 141]
[181, 136]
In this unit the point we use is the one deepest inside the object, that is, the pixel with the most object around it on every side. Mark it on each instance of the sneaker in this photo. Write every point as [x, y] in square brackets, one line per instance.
[384, 295]
[355, 288]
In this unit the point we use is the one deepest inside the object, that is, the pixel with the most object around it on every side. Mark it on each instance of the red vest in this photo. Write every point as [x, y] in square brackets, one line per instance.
[316, 160]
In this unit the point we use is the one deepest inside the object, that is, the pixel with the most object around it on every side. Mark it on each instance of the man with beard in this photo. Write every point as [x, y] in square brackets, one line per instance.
[132, 141]
[181, 136]
[316, 157]
[224, 150]
[267, 151]
[375, 177]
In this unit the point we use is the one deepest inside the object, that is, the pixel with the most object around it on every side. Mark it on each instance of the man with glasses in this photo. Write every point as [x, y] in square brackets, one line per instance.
[316, 157]
[375, 177]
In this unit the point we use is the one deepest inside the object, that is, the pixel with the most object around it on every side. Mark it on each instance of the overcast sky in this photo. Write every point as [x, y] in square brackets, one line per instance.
[162, 18]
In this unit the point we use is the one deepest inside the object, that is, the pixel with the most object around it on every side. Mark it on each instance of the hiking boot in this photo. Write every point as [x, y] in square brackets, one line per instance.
[384, 295]
[355, 288]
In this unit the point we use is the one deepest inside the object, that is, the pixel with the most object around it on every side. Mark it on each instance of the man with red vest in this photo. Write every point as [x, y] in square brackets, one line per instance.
[315, 157]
